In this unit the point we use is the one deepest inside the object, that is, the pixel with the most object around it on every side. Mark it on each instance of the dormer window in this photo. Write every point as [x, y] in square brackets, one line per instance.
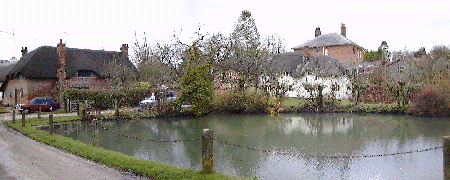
[83, 73]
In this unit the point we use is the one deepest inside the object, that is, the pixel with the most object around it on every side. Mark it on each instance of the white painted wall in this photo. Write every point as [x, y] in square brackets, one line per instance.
[344, 91]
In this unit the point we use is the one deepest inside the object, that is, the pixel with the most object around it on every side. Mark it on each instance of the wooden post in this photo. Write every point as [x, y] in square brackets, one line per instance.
[116, 108]
[446, 155]
[96, 139]
[207, 150]
[78, 107]
[39, 113]
[50, 122]
[15, 97]
[68, 106]
[14, 116]
[23, 118]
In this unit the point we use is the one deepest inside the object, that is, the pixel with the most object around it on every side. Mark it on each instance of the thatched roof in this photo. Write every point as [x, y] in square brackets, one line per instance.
[321, 65]
[285, 62]
[296, 64]
[43, 62]
[5, 68]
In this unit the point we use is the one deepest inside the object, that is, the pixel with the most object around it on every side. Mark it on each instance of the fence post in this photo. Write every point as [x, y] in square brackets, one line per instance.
[116, 108]
[50, 119]
[207, 150]
[23, 118]
[39, 113]
[67, 108]
[14, 116]
[95, 135]
[78, 107]
[446, 155]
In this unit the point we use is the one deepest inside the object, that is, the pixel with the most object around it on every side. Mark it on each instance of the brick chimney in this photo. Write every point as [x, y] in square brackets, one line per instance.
[317, 32]
[343, 30]
[61, 73]
[61, 83]
[124, 49]
[24, 51]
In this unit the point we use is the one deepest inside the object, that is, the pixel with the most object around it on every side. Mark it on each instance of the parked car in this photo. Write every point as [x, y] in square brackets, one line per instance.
[148, 101]
[151, 100]
[171, 96]
[46, 104]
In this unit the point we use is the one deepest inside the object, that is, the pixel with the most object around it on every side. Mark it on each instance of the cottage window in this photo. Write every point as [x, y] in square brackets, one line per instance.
[326, 52]
[354, 51]
[21, 92]
[84, 74]
[10, 94]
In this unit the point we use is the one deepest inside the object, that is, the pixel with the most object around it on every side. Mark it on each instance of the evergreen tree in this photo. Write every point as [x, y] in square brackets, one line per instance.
[195, 84]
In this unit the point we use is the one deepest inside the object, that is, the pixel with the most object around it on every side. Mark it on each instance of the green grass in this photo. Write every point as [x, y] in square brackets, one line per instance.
[110, 158]
[293, 102]
[3, 110]
[44, 120]
[346, 102]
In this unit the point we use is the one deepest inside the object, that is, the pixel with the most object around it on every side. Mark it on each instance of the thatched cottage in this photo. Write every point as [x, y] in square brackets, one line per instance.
[48, 71]
[297, 72]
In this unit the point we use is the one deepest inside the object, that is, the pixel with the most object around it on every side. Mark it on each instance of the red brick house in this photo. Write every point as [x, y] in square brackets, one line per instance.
[48, 71]
[335, 45]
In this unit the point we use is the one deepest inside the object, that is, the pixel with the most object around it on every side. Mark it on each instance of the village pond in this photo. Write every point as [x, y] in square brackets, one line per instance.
[288, 146]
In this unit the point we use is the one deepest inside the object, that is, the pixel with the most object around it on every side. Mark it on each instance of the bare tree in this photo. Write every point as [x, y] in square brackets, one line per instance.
[159, 63]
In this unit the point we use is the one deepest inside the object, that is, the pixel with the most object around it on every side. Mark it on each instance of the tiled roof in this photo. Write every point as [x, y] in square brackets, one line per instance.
[324, 40]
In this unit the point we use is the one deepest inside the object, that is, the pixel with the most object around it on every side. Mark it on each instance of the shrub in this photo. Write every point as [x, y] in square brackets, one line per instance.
[239, 102]
[104, 99]
[430, 103]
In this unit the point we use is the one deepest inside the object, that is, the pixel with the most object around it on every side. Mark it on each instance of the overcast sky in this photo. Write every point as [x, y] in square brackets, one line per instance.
[106, 25]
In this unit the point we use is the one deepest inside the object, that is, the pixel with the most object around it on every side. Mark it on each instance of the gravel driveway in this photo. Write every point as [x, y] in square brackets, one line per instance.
[23, 158]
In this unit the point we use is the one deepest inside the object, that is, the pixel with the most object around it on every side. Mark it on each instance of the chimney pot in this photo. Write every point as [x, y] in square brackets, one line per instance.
[124, 49]
[24, 51]
[317, 32]
[343, 30]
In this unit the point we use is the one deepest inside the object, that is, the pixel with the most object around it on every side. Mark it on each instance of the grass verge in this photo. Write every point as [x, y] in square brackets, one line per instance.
[112, 159]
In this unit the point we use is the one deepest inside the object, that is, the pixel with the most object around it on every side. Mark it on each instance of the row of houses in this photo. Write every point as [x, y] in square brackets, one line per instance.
[329, 60]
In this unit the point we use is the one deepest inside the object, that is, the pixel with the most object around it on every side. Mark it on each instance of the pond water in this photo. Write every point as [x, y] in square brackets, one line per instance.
[303, 137]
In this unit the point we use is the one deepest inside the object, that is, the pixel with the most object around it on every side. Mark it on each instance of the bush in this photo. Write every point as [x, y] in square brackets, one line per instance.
[104, 99]
[430, 103]
[238, 102]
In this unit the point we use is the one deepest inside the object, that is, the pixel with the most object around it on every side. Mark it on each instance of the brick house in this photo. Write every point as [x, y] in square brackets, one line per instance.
[334, 45]
[48, 71]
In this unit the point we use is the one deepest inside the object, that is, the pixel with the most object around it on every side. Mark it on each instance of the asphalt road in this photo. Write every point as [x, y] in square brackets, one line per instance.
[23, 158]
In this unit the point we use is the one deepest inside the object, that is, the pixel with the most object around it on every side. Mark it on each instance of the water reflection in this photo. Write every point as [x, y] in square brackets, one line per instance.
[305, 134]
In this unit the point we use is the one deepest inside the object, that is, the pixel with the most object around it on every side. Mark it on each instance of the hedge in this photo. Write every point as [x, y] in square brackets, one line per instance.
[104, 99]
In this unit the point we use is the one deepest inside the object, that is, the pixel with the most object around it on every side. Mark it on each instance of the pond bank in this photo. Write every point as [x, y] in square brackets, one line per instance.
[24, 158]
[97, 154]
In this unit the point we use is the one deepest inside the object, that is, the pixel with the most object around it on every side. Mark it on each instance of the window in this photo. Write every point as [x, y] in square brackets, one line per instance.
[326, 52]
[21, 92]
[354, 51]
[10, 94]
[84, 74]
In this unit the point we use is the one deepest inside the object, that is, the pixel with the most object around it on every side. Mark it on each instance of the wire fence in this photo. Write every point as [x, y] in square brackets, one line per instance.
[278, 152]
[151, 140]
